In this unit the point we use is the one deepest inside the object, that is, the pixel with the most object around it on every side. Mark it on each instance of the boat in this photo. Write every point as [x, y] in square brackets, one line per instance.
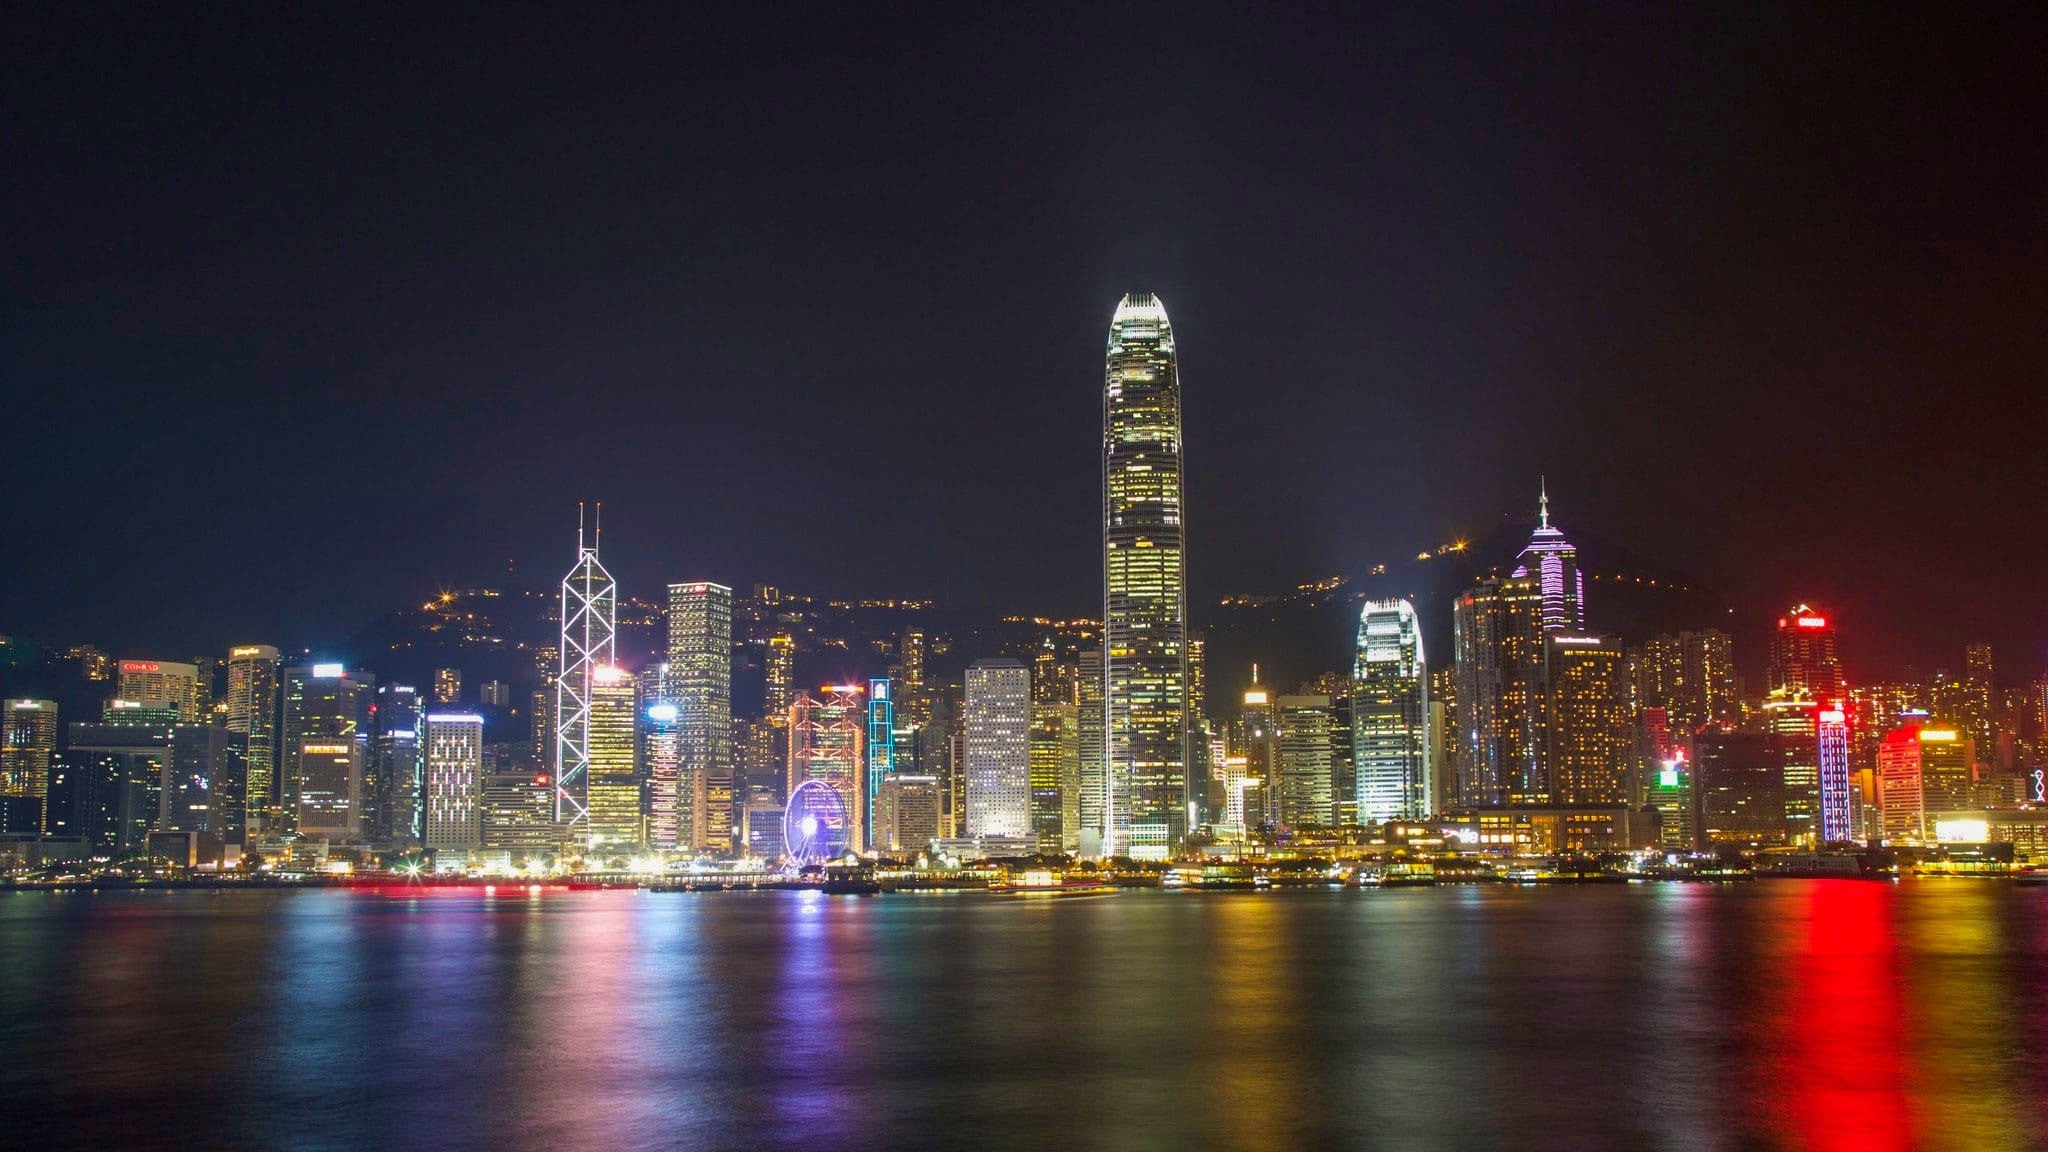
[1041, 885]
[844, 880]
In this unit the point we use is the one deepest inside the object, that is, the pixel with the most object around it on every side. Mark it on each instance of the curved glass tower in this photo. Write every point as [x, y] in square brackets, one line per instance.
[1144, 585]
[1390, 714]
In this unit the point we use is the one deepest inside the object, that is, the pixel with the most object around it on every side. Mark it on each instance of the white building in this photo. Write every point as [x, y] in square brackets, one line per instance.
[998, 747]
[455, 755]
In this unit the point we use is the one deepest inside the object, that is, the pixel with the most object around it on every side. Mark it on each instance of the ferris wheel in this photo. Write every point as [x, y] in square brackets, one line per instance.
[814, 827]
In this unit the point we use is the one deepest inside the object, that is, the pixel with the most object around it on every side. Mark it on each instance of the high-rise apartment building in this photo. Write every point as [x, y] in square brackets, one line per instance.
[452, 821]
[1390, 715]
[700, 686]
[252, 713]
[998, 740]
[1144, 586]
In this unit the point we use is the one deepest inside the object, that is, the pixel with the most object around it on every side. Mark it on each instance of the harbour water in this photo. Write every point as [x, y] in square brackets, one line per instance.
[1794, 1014]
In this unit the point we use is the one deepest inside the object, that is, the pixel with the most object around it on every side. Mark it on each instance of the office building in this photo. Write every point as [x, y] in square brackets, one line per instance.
[1552, 562]
[397, 766]
[1922, 770]
[1740, 780]
[1055, 776]
[1497, 692]
[590, 614]
[700, 686]
[661, 760]
[326, 706]
[453, 820]
[907, 813]
[28, 743]
[1691, 675]
[1145, 586]
[1802, 656]
[1791, 721]
[1589, 732]
[614, 795]
[252, 714]
[1094, 755]
[880, 752]
[1837, 791]
[517, 811]
[1390, 751]
[998, 722]
[114, 775]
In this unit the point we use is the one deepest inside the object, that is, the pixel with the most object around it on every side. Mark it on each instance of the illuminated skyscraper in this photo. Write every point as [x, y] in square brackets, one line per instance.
[881, 744]
[1390, 714]
[998, 749]
[252, 712]
[1144, 586]
[700, 686]
[1590, 733]
[1094, 758]
[1691, 675]
[1304, 773]
[1831, 744]
[1498, 679]
[1553, 563]
[907, 813]
[398, 765]
[28, 742]
[1922, 770]
[326, 736]
[452, 821]
[661, 761]
[1792, 725]
[825, 744]
[1056, 776]
[613, 796]
[590, 613]
[1803, 656]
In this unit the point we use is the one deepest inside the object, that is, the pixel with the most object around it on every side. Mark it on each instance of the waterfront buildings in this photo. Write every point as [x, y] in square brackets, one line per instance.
[669, 806]
[589, 615]
[613, 795]
[396, 766]
[907, 813]
[1588, 727]
[1304, 780]
[1390, 715]
[880, 753]
[1144, 586]
[998, 720]
[1791, 720]
[1922, 769]
[326, 713]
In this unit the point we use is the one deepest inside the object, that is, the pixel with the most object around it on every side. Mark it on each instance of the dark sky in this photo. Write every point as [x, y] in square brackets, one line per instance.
[306, 314]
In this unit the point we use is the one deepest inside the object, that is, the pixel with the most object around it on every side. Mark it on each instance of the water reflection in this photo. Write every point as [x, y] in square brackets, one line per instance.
[1801, 1015]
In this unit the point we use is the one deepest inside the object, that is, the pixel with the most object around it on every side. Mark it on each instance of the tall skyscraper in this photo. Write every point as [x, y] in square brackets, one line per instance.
[1304, 775]
[1497, 691]
[1390, 714]
[700, 686]
[1590, 734]
[613, 795]
[998, 738]
[28, 742]
[1922, 771]
[1094, 755]
[1837, 806]
[1802, 655]
[1691, 675]
[590, 615]
[252, 712]
[1144, 586]
[881, 744]
[1056, 775]
[1553, 563]
[1792, 726]
[397, 765]
[453, 818]
[661, 762]
[326, 712]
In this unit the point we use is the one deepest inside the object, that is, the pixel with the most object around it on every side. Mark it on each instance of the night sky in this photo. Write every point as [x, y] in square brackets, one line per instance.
[305, 315]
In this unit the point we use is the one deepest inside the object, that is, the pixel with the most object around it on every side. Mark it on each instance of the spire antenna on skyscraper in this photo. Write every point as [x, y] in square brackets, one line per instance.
[1543, 501]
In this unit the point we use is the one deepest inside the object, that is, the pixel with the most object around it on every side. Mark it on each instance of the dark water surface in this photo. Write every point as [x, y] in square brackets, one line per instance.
[1814, 1015]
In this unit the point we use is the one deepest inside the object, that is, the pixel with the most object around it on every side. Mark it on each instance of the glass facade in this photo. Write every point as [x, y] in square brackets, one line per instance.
[1390, 715]
[1144, 587]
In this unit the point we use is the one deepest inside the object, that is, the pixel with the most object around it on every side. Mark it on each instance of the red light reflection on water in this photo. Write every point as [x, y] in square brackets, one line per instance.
[1842, 1067]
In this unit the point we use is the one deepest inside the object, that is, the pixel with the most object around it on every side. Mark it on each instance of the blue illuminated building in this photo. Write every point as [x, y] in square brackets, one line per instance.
[881, 747]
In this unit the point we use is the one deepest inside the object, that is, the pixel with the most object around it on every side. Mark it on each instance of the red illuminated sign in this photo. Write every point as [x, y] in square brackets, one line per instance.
[1813, 621]
[140, 666]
